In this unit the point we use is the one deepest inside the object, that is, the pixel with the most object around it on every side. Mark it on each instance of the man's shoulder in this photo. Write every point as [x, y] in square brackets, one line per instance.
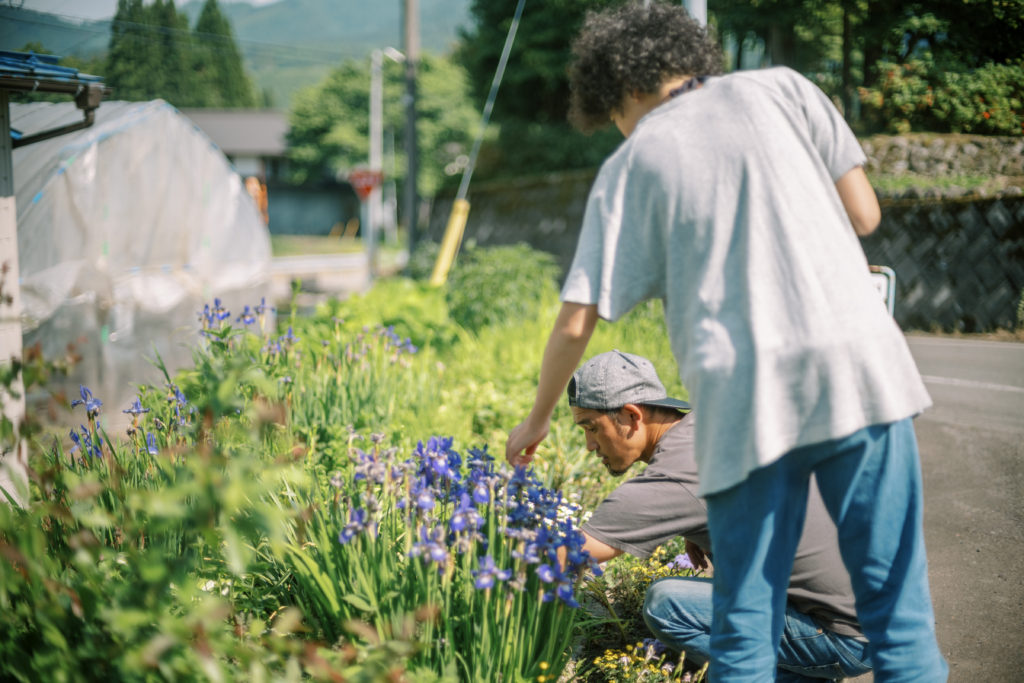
[675, 453]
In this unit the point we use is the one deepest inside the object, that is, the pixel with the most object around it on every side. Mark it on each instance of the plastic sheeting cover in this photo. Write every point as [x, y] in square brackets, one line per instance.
[125, 230]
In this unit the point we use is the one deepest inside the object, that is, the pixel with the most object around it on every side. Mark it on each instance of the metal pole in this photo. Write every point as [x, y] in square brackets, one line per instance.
[453, 232]
[412, 50]
[13, 476]
[499, 73]
[373, 206]
[698, 9]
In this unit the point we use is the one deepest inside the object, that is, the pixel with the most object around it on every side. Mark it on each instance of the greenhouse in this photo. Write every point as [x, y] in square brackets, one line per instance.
[125, 229]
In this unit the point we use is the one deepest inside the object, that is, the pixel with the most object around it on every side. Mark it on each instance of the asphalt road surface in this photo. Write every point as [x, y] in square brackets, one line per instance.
[972, 457]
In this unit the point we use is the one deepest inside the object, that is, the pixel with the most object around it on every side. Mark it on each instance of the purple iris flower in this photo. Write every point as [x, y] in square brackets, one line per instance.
[86, 444]
[219, 311]
[488, 573]
[465, 516]
[356, 524]
[481, 494]
[565, 594]
[247, 317]
[429, 547]
[151, 444]
[136, 409]
[92, 404]
[425, 499]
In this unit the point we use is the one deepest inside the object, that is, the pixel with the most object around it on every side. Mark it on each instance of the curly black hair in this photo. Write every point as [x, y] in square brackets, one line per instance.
[634, 48]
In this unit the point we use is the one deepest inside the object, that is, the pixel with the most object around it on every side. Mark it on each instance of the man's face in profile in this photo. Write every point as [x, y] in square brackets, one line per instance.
[610, 437]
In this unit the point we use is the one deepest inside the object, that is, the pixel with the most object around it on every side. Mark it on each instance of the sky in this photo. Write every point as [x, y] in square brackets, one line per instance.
[92, 9]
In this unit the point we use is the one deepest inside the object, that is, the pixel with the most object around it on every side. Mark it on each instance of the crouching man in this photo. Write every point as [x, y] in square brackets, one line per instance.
[622, 407]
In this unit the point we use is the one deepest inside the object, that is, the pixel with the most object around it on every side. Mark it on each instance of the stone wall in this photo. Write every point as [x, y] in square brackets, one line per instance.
[959, 263]
[943, 155]
[958, 255]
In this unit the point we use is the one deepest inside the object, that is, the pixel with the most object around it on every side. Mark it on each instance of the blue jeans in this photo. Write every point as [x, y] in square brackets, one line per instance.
[678, 611]
[871, 484]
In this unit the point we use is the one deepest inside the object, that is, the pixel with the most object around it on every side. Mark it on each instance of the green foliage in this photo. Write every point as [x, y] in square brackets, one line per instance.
[1020, 311]
[422, 260]
[532, 102]
[616, 621]
[836, 43]
[500, 285]
[153, 54]
[989, 100]
[918, 96]
[204, 542]
[329, 123]
[221, 78]
[802, 34]
[413, 309]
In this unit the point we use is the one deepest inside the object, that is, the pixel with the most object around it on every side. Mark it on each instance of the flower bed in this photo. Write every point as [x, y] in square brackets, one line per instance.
[286, 508]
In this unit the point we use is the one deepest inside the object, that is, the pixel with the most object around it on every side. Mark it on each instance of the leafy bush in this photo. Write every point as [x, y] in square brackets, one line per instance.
[614, 654]
[902, 99]
[495, 285]
[412, 309]
[917, 95]
[988, 101]
[422, 260]
[1020, 310]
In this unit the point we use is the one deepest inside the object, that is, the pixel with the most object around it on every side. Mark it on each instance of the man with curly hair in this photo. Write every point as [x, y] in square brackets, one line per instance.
[738, 200]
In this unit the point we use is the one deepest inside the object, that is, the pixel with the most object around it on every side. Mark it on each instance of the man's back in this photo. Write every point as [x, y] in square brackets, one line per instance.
[722, 202]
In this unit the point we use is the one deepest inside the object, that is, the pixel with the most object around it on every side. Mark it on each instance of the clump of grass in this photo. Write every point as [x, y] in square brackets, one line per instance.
[971, 184]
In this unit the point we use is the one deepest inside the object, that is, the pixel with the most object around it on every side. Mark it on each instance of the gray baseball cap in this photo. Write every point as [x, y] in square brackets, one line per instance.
[612, 379]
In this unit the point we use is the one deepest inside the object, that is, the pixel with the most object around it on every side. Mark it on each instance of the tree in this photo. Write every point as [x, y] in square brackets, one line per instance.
[329, 123]
[133, 58]
[218, 62]
[532, 104]
[153, 54]
[175, 50]
[535, 86]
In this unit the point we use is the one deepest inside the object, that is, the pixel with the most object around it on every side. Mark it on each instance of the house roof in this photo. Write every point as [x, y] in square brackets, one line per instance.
[243, 132]
[34, 72]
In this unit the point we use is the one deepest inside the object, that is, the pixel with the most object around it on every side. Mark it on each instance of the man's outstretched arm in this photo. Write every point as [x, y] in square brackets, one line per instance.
[565, 347]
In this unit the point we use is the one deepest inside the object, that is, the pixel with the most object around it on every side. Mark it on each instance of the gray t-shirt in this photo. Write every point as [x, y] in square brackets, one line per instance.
[722, 202]
[662, 503]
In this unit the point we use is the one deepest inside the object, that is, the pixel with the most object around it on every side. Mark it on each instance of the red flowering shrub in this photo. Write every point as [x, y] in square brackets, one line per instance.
[918, 96]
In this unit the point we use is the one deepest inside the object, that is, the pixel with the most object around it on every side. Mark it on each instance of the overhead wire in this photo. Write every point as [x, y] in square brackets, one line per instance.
[304, 54]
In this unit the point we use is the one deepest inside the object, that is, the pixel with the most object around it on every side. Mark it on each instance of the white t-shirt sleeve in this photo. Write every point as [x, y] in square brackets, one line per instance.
[619, 259]
[830, 134]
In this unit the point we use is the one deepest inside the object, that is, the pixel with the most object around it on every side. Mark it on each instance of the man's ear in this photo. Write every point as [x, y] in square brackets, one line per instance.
[631, 415]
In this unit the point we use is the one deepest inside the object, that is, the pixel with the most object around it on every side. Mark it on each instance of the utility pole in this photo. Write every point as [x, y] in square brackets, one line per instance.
[376, 158]
[412, 55]
[698, 9]
[373, 205]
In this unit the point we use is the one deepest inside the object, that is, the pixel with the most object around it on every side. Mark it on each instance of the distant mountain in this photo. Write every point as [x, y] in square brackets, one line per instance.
[19, 27]
[287, 45]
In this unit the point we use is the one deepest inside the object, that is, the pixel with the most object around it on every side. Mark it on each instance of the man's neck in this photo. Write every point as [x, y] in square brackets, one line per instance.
[656, 429]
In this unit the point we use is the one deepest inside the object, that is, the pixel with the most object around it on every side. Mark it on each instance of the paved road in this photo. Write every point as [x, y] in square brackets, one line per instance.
[972, 455]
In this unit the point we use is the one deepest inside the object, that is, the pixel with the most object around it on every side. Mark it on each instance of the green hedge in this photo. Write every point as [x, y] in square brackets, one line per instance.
[917, 95]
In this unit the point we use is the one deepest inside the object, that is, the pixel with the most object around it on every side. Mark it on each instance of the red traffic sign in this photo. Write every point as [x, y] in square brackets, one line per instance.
[363, 180]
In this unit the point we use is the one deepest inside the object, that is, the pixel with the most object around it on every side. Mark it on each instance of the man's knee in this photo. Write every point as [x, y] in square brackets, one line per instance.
[677, 606]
